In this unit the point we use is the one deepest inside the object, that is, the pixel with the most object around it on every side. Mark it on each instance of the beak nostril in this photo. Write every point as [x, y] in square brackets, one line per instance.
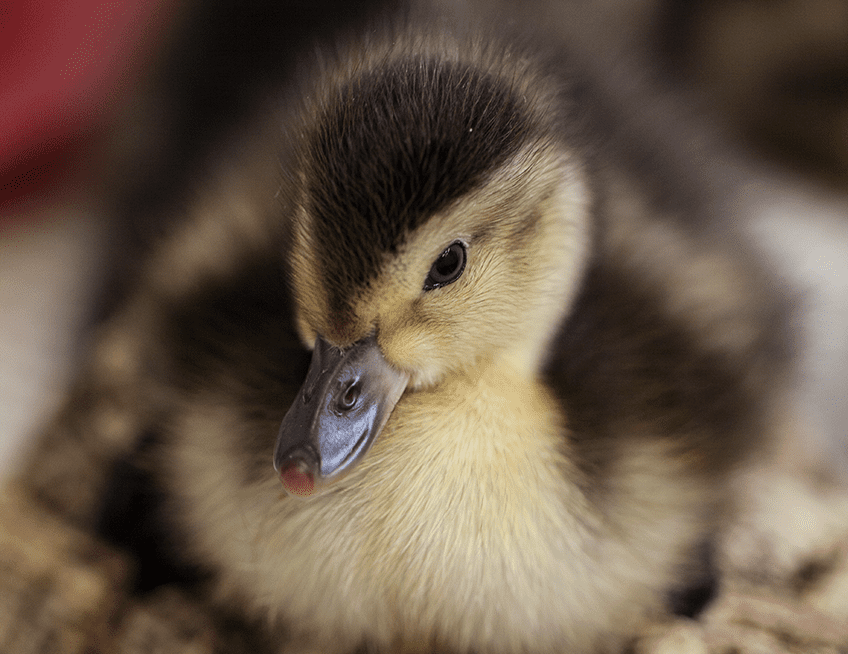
[350, 396]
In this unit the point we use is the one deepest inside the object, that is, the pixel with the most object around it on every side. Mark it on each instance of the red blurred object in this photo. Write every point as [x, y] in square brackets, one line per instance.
[63, 65]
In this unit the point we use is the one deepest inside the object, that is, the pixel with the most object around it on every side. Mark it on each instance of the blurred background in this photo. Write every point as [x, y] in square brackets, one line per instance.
[111, 108]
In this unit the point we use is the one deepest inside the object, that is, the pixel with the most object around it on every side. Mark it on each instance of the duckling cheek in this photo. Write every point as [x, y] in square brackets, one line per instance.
[418, 350]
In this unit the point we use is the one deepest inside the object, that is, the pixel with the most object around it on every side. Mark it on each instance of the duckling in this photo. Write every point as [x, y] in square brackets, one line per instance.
[448, 363]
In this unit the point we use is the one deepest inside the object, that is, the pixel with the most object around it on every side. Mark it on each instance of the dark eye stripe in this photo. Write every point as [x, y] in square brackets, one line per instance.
[448, 267]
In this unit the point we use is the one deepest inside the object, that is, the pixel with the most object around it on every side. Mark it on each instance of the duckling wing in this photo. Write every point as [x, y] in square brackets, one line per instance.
[670, 369]
[210, 313]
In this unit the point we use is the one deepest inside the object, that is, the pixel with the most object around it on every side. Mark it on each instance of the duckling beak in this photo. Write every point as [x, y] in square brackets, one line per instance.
[340, 410]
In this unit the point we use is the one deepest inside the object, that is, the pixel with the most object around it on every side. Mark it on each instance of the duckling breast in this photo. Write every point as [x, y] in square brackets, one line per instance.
[465, 527]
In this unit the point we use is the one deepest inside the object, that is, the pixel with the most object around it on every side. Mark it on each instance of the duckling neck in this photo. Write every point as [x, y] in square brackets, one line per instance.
[492, 422]
[469, 477]
[485, 442]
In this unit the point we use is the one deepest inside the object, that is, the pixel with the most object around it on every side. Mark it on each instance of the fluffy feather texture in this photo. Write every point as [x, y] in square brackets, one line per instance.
[577, 397]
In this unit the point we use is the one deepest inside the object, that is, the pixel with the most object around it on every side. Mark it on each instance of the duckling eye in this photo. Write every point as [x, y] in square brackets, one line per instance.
[447, 268]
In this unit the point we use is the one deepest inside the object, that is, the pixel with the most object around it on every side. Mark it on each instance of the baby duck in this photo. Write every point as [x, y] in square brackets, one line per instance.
[534, 362]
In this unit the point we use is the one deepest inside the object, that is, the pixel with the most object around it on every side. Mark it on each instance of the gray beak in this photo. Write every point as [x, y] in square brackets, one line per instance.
[340, 410]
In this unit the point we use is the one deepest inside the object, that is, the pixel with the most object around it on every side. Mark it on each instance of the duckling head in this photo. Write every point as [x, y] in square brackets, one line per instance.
[440, 226]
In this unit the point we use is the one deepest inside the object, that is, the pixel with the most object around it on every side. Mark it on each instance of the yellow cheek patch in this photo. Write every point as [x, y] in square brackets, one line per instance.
[414, 350]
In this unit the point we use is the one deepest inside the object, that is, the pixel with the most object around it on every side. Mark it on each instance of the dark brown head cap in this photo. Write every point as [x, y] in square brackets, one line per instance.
[394, 145]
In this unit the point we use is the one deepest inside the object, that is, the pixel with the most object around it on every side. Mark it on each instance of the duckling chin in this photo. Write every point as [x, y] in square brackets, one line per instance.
[530, 373]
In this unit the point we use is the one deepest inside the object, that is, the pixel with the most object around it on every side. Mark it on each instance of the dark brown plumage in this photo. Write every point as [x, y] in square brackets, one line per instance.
[397, 145]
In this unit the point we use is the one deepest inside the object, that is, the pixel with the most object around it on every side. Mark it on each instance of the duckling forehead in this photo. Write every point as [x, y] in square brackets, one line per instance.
[394, 146]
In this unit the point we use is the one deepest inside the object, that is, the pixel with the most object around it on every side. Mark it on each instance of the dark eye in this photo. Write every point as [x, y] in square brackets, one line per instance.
[447, 268]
